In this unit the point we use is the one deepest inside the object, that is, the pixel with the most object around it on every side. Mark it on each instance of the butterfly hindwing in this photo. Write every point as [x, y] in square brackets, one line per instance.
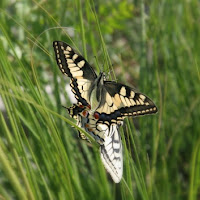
[111, 154]
[109, 138]
[77, 68]
[119, 101]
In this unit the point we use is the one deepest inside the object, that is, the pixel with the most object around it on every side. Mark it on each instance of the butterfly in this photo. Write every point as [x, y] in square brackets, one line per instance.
[101, 105]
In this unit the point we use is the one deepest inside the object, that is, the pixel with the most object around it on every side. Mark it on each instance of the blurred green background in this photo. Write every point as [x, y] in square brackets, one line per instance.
[151, 45]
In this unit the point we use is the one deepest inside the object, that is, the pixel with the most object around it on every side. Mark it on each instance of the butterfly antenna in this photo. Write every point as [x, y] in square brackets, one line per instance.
[97, 64]
[112, 75]
[65, 107]
[104, 61]
[102, 66]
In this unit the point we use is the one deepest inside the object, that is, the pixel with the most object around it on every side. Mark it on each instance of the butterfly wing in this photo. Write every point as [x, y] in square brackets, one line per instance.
[77, 68]
[111, 154]
[119, 101]
[75, 110]
[109, 138]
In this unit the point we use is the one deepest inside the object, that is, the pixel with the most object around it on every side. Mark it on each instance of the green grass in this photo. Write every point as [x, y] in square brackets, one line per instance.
[152, 45]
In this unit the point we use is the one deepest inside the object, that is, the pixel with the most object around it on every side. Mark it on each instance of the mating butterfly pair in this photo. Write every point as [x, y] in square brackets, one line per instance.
[101, 106]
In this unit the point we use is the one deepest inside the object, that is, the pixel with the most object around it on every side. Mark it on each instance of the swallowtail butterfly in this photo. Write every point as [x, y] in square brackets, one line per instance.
[101, 105]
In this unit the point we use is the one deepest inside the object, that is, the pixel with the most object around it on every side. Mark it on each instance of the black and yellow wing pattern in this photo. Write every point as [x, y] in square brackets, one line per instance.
[120, 101]
[101, 106]
[79, 71]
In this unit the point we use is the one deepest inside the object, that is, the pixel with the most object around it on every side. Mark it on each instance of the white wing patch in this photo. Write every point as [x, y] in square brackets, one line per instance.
[111, 154]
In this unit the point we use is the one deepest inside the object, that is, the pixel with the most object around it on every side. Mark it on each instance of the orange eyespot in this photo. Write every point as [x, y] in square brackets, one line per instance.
[85, 113]
[96, 115]
[81, 106]
[90, 129]
[87, 125]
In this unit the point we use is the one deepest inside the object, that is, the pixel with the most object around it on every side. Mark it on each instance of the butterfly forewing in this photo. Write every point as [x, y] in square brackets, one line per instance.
[77, 68]
[119, 101]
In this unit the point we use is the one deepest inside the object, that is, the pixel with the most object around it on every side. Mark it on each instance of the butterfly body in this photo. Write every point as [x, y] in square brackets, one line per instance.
[101, 105]
[95, 93]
